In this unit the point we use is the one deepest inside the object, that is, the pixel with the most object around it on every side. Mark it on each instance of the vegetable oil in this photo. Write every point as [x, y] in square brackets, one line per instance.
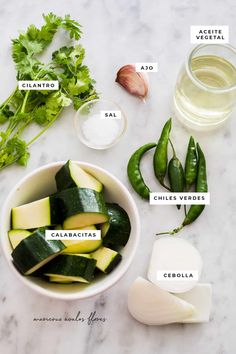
[205, 90]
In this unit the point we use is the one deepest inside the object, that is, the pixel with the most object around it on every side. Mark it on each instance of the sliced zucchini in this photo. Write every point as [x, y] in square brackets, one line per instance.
[63, 279]
[58, 227]
[82, 246]
[80, 207]
[16, 236]
[58, 279]
[72, 175]
[104, 227]
[79, 267]
[35, 251]
[82, 219]
[40, 213]
[120, 227]
[107, 259]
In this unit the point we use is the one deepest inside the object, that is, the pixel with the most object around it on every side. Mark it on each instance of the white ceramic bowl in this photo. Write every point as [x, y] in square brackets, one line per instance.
[41, 183]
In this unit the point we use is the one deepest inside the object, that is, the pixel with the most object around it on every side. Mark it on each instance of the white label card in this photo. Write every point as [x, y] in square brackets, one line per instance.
[179, 198]
[179, 275]
[209, 34]
[73, 235]
[38, 85]
[110, 114]
[146, 67]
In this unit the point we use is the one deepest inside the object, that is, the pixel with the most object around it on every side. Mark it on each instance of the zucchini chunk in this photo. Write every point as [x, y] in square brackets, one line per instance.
[16, 236]
[72, 175]
[40, 213]
[57, 227]
[80, 207]
[104, 227]
[120, 227]
[59, 279]
[76, 268]
[107, 259]
[82, 246]
[82, 219]
[35, 251]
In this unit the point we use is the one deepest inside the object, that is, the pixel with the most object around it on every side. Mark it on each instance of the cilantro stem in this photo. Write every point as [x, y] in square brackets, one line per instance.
[3, 105]
[25, 101]
[8, 163]
[29, 91]
[45, 129]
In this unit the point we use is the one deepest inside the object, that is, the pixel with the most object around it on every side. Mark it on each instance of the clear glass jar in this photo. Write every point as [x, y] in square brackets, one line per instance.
[205, 92]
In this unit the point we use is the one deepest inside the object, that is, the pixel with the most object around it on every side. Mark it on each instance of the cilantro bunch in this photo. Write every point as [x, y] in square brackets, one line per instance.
[23, 108]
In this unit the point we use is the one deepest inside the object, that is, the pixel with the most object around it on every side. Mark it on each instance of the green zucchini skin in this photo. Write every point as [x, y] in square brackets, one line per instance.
[72, 175]
[33, 250]
[54, 210]
[120, 227]
[63, 178]
[116, 260]
[72, 266]
[80, 200]
[107, 259]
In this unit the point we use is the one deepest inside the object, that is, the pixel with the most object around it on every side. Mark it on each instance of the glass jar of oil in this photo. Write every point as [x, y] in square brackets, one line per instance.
[205, 92]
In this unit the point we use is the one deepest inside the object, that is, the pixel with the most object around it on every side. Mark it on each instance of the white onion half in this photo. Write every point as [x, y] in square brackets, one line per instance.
[171, 253]
[150, 305]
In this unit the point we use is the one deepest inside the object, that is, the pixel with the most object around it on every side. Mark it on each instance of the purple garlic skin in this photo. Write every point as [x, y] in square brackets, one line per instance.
[135, 83]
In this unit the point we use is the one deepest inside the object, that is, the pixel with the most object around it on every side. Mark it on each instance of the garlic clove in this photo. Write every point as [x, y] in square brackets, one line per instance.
[134, 82]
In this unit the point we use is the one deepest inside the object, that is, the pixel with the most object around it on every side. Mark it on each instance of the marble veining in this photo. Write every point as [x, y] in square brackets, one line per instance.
[118, 32]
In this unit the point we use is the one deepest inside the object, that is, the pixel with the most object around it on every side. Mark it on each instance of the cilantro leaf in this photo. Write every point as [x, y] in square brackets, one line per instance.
[16, 150]
[72, 27]
[45, 113]
[52, 20]
[40, 115]
[5, 114]
[32, 33]
[80, 83]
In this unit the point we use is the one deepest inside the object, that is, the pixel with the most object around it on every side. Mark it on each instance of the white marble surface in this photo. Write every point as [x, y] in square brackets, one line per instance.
[118, 32]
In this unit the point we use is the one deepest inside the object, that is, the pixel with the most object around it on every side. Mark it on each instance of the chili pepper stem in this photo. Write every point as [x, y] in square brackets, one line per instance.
[165, 233]
[185, 210]
[172, 146]
[165, 186]
[173, 232]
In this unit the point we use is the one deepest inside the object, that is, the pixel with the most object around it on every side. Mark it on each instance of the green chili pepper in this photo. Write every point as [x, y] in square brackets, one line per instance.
[160, 159]
[201, 186]
[134, 173]
[190, 164]
[201, 173]
[176, 174]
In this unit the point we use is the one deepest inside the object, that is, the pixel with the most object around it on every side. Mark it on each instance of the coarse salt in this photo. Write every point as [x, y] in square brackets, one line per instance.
[100, 132]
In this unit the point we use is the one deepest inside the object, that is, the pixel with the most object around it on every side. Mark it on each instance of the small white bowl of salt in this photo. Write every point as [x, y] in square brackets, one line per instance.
[100, 123]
